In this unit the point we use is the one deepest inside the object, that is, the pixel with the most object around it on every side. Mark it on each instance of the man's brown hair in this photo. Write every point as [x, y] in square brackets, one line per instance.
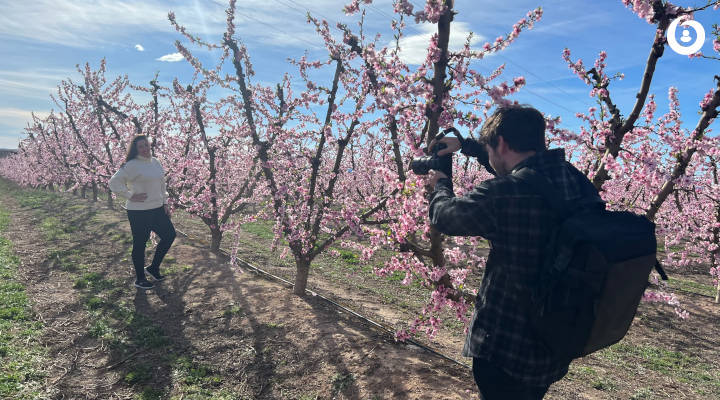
[521, 126]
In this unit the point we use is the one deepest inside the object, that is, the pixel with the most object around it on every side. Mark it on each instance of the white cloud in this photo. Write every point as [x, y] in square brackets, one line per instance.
[174, 57]
[139, 47]
[31, 83]
[28, 87]
[563, 27]
[92, 23]
[413, 48]
[95, 23]
[13, 121]
[9, 142]
[88, 23]
[15, 116]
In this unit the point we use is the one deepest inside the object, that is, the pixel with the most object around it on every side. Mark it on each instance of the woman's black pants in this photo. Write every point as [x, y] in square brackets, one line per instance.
[141, 223]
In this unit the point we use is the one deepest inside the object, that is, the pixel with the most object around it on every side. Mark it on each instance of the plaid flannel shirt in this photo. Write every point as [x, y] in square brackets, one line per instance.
[516, 221]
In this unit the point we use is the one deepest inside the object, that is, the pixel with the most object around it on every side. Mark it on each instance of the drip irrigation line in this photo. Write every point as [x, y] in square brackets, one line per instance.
[693, 293]
[376, 324]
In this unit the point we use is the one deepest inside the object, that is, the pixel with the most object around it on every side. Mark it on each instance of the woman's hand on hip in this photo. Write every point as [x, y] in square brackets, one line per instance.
[167, 210]
[139, 197]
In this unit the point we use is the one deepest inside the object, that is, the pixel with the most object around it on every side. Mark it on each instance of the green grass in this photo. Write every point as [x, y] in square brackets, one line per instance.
[260, 228]
[582, 371]
[642, 393]
[349, 257]
[340, 382]
[122, 237]
[138, 374]
[590, 375]
[674, 364]
[95, 281]
[692, 286]
[150, 393]
[36, 198]
[194, 374]
[100, 328]
[114, 320]
[111, 320]
[81, 283]
[396, 276]
[93, 303]
[21, 356]
[340, 268]
[53, 229]
[231, 310]
[600, 383]
[108, 303]
[69, 260]
[144, 333]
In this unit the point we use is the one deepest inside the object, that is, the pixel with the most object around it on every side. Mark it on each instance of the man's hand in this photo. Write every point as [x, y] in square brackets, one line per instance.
[434, 176]
[139, 197]
[452, 143]
[167, 210]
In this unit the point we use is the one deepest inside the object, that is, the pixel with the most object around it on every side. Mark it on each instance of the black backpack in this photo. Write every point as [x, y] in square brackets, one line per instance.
[595, 269]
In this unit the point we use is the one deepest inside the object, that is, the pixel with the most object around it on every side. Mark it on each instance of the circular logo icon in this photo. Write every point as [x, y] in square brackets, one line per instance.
[685, 48]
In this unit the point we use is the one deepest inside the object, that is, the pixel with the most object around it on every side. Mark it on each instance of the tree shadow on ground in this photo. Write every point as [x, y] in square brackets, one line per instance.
[205, 329]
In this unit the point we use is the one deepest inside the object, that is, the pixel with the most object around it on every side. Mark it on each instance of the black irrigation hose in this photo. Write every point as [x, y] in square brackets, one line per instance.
[693, 293]
[379, 325]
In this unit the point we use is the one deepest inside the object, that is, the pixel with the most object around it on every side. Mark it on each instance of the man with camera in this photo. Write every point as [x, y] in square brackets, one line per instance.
[509, 360]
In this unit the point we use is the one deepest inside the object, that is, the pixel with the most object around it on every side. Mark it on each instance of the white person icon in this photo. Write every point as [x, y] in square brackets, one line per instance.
[685, 38]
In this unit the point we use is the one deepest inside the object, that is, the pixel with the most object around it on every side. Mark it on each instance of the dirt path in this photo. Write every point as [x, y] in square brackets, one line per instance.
[350, 284]
[212, 332]
[208, 331]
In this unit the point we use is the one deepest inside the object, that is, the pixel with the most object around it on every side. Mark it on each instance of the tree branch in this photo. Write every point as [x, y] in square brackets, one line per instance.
[710, 112]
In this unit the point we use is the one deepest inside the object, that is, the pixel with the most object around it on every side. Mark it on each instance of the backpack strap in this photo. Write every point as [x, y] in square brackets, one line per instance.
[660, 270]
[560, 206]
[542, 185]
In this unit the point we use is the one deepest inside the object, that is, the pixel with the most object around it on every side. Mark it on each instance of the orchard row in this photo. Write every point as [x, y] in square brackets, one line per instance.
[324, 153]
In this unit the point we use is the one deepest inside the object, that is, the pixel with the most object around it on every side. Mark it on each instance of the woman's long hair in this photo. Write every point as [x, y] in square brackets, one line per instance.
[132, 151]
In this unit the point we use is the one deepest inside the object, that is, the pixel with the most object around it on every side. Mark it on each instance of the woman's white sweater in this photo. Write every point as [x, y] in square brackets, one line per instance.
[141, 175]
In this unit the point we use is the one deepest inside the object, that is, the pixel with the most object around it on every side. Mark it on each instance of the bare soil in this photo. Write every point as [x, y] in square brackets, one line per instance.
[215, 331]
[259, 340]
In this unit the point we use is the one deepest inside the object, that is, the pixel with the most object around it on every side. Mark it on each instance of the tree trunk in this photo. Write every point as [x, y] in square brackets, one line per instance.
[301, 276]
[715, 255]
[439, 91]
[217, 235]
[95, 192]
[83, 192]
[110, 203]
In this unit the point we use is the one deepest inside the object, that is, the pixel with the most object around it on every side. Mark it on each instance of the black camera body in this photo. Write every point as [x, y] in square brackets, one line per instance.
[423, 165]
[471, 148]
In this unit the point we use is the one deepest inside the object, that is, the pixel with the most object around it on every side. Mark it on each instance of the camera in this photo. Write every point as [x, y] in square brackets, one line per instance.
[423, 165]
[471, 148]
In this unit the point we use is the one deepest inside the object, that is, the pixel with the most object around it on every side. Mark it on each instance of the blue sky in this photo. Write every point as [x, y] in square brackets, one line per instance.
[41, 41]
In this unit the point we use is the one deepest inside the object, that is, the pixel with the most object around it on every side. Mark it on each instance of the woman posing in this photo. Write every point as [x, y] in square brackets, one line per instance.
[141, 181]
